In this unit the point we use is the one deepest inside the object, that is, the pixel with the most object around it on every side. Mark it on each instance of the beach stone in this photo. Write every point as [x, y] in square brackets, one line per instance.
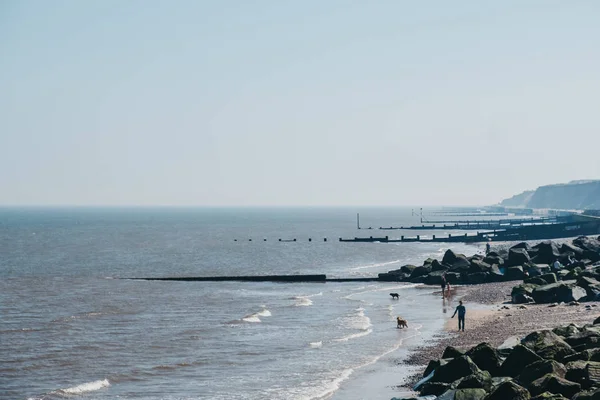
[451, 352]
[433, 388]
[486, 358]
[540, 368]
[517, 360]
[508, 390]
[517, 257]
[554, 384]
[558, 292]
[455, 369]
[514, 273]
[586, 281]
[548, 345]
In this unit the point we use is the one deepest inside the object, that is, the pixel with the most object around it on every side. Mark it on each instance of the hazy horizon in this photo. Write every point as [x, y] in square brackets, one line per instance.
[337, 103]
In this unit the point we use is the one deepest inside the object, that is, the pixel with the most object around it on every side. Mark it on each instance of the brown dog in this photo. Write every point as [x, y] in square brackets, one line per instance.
[402, 323]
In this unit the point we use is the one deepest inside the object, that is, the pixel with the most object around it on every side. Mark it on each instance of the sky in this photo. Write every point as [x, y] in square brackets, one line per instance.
[264, 102]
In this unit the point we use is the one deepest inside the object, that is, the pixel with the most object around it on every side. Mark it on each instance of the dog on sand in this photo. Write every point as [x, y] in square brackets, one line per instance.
[402, 323]
[395, 295]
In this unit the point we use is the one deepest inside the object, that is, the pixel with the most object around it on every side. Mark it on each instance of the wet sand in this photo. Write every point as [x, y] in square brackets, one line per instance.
[491, 318]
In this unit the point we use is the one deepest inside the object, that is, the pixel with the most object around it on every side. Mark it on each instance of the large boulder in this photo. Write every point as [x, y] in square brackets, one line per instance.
[461, 264]
[549, 277]
[522, 245]
[451, 352]
[538, 369]
[407, 269]
[433, 388]
[495, 274]
[518, 257]
[547, 252]
[478, 277]
[486, 358]
[479, 266]
[450, 257]
[519, 357]
[514, 273]
[478, 380]
[548, 345]
[437, 266]
[455, 369]
[434, 278]
[433, 364]
[549, 396]
[420, 271]
[567, 331]
[587, 243]
[554, 384]
[571, 248]
[522, 293]
[558, 292]
[469, 394]
[493, 259]
[508, 390]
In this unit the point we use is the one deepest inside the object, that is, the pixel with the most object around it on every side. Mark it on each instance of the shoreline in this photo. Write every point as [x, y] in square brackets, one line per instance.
[492, 318]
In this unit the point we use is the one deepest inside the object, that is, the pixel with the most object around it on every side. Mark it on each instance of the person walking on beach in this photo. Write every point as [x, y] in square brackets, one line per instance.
[443, 283]
[487, 248]
[461, 315]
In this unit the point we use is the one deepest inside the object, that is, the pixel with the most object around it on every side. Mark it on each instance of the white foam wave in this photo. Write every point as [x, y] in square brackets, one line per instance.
[376, 265]
[85, 387]
[316, 345]
[251, 318]
[354, 336]
[303, 301]
[264, 313]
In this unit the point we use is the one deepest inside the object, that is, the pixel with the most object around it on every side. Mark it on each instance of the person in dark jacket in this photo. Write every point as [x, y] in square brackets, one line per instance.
[461, 310]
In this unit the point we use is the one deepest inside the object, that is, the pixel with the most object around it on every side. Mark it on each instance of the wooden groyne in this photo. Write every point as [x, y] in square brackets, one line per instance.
[473, 224]
[261, 278]
[258, 278]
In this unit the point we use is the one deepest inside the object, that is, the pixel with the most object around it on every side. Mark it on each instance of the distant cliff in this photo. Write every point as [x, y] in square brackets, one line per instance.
[575, 195]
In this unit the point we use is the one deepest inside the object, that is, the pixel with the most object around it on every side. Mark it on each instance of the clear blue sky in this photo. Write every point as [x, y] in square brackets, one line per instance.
[310, 102]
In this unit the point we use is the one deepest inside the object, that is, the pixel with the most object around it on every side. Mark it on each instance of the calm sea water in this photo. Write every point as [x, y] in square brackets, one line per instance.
[70, 328]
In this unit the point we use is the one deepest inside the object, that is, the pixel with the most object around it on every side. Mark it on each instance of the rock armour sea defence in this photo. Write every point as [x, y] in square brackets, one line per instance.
[546, 364]
[576, 279]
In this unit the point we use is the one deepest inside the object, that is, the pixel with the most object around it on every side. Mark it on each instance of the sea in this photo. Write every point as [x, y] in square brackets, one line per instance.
[77, 322]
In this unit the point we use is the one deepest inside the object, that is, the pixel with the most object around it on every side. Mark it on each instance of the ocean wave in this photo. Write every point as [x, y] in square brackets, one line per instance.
[303, 301]
[353, 336]
[316, 345]
[84, 388]
[255, 316]
[376, 265]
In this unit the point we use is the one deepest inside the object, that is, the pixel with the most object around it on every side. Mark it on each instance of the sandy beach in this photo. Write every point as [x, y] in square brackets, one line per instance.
[492, 318]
